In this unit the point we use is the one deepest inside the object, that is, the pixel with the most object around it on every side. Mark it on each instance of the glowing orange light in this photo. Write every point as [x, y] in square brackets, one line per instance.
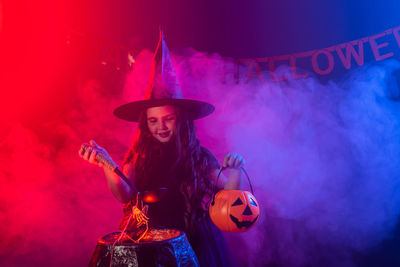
[149, 199]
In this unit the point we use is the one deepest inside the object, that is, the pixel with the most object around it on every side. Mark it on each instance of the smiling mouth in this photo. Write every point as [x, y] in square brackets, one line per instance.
[164, 135]
[245, 224]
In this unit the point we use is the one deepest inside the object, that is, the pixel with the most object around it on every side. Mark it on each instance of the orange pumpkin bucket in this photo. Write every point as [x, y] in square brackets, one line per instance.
[234, 210]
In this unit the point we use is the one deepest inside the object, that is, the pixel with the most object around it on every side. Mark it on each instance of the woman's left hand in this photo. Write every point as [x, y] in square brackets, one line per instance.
[233, 161]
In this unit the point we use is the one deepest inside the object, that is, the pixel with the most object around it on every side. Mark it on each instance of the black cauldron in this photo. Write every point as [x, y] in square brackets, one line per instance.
[159, 247]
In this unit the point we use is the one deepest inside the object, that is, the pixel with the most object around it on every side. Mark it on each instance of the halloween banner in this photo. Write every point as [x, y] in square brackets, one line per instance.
[324, 61]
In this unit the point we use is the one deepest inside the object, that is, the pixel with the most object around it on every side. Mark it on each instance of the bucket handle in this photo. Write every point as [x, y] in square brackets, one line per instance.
[219, 173]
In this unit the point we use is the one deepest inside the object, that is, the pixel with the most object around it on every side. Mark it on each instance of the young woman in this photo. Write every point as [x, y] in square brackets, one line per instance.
[167, 153]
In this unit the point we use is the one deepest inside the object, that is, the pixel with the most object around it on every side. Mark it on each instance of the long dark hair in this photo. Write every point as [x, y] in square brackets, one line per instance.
[190, 158]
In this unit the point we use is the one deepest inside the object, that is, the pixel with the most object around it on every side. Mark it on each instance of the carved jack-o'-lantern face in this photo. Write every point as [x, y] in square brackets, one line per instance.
[234, 210]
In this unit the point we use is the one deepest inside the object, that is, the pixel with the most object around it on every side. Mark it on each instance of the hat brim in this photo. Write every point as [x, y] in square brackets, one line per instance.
[193, 108]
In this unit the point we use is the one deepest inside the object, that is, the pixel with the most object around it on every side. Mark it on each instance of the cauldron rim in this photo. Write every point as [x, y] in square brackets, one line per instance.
[102, 240]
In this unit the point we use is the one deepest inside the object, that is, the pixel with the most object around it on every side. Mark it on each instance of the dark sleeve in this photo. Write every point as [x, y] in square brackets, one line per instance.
[212, 162]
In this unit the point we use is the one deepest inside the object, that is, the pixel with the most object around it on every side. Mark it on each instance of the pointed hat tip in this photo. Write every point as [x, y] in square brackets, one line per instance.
[161, 32]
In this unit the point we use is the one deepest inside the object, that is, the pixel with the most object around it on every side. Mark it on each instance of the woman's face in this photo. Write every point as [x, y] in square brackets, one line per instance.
[161, 122]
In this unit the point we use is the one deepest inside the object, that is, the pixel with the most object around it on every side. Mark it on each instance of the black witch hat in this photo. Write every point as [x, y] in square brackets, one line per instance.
[163, 90]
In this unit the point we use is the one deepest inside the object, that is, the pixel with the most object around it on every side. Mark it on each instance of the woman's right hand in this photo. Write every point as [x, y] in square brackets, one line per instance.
[88, 152]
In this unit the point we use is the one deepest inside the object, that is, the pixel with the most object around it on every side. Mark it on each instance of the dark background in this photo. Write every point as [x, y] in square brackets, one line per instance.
[47, 48]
